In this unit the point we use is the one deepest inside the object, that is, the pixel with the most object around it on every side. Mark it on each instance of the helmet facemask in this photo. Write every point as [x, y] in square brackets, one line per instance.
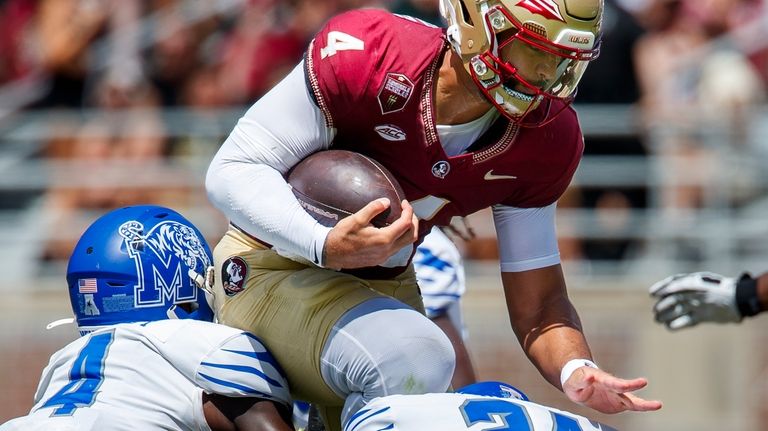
[518, 65]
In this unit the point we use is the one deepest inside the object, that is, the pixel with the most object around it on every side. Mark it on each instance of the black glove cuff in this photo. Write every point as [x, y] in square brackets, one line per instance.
[746, 296]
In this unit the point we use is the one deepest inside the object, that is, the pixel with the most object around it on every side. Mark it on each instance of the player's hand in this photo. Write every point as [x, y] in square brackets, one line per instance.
[605, 393]
[685, 300]
[355, 243]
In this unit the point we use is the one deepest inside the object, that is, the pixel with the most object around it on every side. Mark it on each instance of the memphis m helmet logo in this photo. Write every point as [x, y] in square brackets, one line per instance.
[158, 256]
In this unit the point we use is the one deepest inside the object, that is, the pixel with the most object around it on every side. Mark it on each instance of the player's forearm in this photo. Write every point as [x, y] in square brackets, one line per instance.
[257, 199]
[555, 340]
[245, 180]
[544, 320]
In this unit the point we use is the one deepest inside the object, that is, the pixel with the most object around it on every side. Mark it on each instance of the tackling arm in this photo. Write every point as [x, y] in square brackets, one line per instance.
[245, 414]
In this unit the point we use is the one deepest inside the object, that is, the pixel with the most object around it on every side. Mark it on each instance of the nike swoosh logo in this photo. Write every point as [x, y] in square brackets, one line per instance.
[490, 176]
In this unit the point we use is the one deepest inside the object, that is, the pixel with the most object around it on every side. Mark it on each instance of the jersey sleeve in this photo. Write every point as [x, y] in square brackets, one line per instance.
[527, 237]
[243, 367]
[278, 131]
[220, 359]
[341, 59]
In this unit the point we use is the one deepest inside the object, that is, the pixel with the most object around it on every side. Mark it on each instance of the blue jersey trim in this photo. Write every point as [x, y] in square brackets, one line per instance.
[444, 295]
[261, 356]
[431, 260]
[234, 385]
[244, 369]
[378, 412]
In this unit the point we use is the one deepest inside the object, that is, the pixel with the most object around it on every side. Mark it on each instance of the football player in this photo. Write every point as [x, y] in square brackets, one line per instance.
[149, 356]
[685, 300]
[473, 116]
[480, 406]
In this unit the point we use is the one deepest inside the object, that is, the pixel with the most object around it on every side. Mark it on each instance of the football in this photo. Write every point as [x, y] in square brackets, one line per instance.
[333, 184]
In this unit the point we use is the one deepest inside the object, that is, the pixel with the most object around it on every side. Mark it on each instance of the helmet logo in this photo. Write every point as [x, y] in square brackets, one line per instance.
[395, 93]
[441, 169]
[90, 308]
[546, 8]
[159, 255]
[233, 274]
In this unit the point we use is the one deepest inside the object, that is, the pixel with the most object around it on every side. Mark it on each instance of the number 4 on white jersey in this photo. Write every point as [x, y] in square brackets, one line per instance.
[338, 41]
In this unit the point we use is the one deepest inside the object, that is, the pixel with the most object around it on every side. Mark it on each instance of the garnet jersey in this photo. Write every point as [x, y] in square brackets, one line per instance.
[464, 412]
[373, 75]
[144, 376]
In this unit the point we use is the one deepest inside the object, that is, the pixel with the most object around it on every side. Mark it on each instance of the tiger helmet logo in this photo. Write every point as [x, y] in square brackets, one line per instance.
[166, 248]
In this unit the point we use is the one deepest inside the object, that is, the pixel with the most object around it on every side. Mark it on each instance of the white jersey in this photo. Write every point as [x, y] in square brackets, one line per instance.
[440, 272]
[150, 376]
[463, 412]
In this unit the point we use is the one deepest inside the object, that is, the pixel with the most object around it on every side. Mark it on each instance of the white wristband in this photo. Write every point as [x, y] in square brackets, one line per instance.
[572, 366]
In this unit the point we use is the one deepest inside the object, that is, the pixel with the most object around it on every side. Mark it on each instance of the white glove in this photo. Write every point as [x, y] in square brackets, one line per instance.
[686, 300]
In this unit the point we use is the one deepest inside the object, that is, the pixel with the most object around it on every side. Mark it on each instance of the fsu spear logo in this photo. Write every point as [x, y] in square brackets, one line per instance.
[546, 8]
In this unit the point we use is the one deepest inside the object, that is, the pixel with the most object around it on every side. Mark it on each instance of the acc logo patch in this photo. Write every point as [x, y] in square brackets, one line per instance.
[395, 93]
[441, 169]
[234, 272]
[390, 132]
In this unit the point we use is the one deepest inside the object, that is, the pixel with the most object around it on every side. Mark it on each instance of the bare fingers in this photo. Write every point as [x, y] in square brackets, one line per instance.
[621, 385]
[638, 404]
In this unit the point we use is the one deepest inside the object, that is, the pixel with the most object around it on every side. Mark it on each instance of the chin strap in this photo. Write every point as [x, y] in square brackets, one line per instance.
[205, 281]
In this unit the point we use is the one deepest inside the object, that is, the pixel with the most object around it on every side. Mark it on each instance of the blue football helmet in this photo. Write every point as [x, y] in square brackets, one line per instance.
[136, 264]
[494, 389]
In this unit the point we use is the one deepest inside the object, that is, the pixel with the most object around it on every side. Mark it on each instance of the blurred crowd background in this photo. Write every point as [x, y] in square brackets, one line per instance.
[115, 102]
[105, 103]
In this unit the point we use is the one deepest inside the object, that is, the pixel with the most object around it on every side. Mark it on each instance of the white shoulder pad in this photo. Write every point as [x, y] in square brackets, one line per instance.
[242, 367]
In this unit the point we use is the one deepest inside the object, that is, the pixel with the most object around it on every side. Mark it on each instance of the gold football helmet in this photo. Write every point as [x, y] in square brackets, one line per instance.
[524, 52]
